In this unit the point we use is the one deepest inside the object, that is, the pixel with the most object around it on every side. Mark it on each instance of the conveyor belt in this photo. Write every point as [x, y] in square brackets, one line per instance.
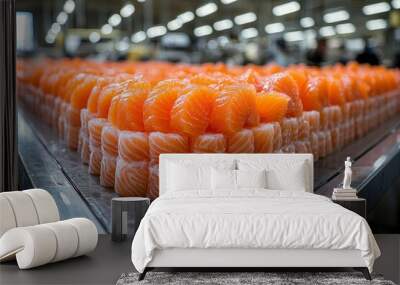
[370, 153]
[51, 166]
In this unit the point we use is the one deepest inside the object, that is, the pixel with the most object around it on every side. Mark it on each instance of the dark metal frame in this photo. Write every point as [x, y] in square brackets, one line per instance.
[8, 133]
[363, 270]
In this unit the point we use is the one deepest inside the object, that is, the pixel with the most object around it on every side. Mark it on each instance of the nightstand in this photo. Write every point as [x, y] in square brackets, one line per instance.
[357, 205]
[127, 212]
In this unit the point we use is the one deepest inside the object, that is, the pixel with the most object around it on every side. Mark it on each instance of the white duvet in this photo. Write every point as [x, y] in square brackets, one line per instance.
[252, 218]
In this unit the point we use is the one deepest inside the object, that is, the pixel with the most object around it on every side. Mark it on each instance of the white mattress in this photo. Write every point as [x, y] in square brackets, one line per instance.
[252, 219]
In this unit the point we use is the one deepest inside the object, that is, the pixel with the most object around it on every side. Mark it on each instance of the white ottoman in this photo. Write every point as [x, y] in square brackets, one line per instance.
[31, 233]
[37, 245]
[26, 208]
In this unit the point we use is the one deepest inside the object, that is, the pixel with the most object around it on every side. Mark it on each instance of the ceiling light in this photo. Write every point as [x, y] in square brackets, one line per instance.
[156, 31]
[56, 28]
[122, 46]
[94, 37]
[249, 33]
[376, 8]
[226, 2]
[174, 24]
[346, 28]
[310, 34]
[337, 16]
[396, 4]
[106, 29]
[49, 39]
[62, 18]
[223, 40]
[356, 44]
[293, 36]
[327, 31]
[286, 8]
[206, 9]
[186, 17]
[51, 33]
[69, 6]
[203, 31]
[141, 1]
[138, 37]
[307, 22]
[245, 18]
[115, 20]
[223, 25]
[376, 24]
[274, 28]
[127, 10]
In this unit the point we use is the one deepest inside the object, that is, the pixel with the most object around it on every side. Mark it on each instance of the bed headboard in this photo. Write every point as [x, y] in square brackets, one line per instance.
[210, 158]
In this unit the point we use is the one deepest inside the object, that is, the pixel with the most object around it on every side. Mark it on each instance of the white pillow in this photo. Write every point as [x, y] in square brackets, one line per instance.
[294, 178]
[251, 178]
[290, 175]
[223, 179]
[183, 177]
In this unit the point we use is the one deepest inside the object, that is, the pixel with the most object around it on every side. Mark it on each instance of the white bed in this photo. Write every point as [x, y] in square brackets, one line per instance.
[250, 227]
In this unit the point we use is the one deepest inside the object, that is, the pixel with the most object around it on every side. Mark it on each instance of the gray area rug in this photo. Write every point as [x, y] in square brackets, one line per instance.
[232, 278]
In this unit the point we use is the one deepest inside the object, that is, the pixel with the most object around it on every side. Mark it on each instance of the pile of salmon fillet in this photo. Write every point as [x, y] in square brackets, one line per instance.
[122, 116]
